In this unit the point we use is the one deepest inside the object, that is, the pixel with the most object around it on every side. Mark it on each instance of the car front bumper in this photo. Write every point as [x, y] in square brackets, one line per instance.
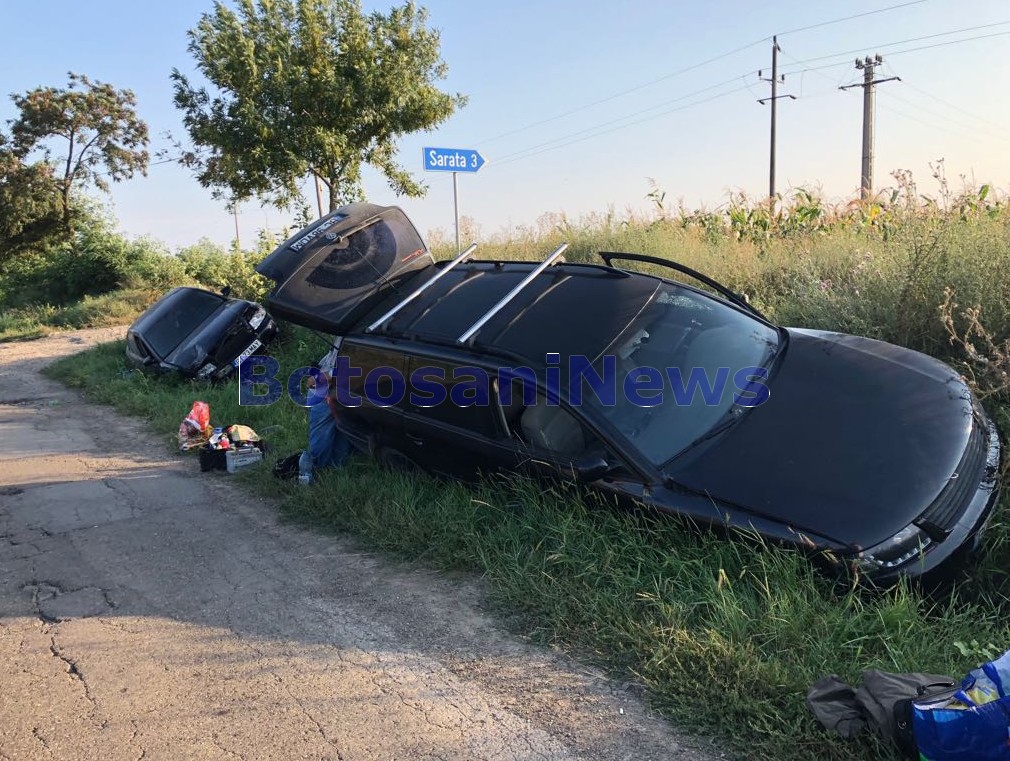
[943, 559]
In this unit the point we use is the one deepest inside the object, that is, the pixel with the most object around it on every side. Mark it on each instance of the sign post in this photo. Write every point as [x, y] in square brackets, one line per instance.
[453, 160]
[455, 206]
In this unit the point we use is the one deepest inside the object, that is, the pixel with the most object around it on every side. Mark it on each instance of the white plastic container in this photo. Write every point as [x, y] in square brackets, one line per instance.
[236, 459]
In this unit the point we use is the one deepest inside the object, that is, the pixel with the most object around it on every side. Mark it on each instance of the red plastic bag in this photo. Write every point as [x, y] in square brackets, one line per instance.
[195, 429]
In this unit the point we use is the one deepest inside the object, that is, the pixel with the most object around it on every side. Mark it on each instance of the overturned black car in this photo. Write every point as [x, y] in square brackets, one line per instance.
[681, 398]
[198, 333]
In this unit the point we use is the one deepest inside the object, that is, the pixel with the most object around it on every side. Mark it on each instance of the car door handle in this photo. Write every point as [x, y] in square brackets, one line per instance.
[415, 440]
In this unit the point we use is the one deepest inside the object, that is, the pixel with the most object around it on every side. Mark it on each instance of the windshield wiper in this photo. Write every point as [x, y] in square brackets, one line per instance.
[731, 418]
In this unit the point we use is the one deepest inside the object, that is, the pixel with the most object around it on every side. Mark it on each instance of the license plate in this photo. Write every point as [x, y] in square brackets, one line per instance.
[247, 353]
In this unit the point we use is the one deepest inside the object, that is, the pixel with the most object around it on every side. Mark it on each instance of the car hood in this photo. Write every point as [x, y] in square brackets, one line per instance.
[854, 442]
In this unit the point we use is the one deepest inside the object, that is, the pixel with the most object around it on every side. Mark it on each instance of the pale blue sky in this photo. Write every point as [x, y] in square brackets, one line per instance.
[526, 62]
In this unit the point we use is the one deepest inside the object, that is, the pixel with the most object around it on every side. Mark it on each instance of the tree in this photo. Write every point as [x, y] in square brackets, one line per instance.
[309, 88]
[29, 205]
[87, 133]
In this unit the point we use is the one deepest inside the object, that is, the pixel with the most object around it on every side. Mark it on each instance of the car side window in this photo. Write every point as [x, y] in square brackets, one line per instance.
[371, 362]
[446, 393]
[549, 429]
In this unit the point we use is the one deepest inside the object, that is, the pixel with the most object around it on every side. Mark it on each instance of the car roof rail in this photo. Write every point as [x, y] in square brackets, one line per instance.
[460, 258]
[473, 329]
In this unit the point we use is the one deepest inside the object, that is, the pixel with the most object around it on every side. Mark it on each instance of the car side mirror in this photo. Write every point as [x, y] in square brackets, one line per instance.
[591, 468]
[226, 291]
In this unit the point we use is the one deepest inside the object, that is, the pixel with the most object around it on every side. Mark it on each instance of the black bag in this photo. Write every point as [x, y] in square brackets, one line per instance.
[882, 704]
[287, 467]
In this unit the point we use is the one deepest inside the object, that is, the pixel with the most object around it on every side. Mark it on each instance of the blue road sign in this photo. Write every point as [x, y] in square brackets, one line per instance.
[452, 160]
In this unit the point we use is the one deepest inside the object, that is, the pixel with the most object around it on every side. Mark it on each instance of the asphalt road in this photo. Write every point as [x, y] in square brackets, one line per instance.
[151, 612]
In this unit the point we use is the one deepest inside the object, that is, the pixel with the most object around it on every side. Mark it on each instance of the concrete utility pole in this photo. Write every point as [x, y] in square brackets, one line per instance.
[319, 194]
[868, 66]
[774, 97]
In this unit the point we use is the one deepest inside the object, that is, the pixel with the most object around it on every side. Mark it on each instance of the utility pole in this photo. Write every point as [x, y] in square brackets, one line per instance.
[774, 97]
[868, 66]
[238, 242]
[319, 194]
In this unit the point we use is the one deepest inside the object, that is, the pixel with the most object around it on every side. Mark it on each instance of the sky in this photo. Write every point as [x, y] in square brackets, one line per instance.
[582, 107]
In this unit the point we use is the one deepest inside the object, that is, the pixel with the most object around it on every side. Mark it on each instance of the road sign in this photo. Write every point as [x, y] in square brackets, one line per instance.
[452, 160]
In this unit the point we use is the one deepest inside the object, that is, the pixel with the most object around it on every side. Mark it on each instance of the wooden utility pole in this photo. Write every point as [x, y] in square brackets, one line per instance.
[774, 97]
[868, 66]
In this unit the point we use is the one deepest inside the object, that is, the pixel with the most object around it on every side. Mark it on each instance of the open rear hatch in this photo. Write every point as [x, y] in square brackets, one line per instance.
[330, 273]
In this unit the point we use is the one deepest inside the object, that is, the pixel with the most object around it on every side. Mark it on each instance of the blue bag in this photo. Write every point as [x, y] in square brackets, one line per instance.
[972, 724]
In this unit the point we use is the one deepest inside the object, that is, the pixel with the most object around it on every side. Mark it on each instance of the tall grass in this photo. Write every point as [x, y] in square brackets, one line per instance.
[118, 307]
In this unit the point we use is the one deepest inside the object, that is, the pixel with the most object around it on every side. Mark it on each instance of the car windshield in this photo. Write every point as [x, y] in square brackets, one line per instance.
[682, 371]
[182, 316]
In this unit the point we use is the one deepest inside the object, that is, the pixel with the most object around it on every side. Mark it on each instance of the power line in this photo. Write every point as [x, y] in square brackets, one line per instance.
[903, 42]
[972, 129]
[974, 117]
[595, 127]
[625, 92]
[617, 120]
[850, 18]
[951, 42]
[150, 164]
[623, 126]
[910, 117]
[566, 140]
[692, 67]
[930, 124]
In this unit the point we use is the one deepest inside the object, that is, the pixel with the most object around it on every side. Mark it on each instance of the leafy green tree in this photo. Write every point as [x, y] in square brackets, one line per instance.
[87, 133]
[309, 88]
[29, 205]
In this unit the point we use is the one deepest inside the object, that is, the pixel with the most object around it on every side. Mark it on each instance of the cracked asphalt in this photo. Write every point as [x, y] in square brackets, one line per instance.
[148, 611]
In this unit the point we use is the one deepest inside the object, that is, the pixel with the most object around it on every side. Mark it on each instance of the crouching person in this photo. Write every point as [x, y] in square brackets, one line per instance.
[327, 446]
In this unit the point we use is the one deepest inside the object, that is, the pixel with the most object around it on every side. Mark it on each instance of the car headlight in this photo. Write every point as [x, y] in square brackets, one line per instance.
[901, 548]
[206, 370]
[257, 319]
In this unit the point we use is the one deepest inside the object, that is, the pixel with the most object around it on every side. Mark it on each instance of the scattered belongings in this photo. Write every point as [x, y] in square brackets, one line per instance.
[927, 716]
[231, 448]
[194, 431]
[881, 705]
[973, 723]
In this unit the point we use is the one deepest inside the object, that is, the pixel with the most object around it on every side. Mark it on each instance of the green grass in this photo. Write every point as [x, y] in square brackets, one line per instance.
[726, 635]
[119, 307]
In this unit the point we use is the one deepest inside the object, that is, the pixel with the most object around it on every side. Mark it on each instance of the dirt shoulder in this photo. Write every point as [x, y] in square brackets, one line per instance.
[149, 611]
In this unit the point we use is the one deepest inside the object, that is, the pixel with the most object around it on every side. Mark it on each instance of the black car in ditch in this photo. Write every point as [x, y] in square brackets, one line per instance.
[847, 447]
[198, 333]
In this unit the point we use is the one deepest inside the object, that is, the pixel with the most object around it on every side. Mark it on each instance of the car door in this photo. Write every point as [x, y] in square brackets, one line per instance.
[555, 442]
[449, 428]
[376, 420]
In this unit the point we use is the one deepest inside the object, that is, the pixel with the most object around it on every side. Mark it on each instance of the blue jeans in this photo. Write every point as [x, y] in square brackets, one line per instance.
[327, 446]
